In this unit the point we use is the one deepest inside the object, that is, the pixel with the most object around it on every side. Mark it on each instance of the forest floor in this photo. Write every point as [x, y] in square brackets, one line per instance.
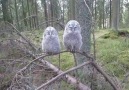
[112, 52]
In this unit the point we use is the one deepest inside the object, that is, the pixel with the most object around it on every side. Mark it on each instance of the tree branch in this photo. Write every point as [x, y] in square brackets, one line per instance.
[105, 75]
[70, 79]
[32, 45]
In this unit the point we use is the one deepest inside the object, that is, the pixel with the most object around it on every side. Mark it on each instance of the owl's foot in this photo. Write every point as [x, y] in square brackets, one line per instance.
[73, 51]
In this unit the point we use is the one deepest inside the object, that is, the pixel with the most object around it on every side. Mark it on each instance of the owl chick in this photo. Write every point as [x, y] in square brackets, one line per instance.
[72, 36]
[50, 42]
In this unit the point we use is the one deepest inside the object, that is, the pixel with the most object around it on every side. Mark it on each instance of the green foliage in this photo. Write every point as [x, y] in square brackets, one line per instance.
[66, 59]
[113, 54]
[116, 35]
[67, 86]
[112, 35]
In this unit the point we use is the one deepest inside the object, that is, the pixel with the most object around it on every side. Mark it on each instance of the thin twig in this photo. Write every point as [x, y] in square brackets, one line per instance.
[25, 38]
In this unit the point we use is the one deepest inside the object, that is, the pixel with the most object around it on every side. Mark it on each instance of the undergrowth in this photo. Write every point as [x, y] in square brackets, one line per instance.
[112, 51]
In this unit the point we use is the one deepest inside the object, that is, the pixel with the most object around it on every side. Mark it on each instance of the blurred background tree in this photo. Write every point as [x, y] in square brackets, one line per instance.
[107, 13]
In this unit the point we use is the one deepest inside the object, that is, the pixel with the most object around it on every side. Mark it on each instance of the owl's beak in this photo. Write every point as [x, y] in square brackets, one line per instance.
[73, 29]
[50, 33]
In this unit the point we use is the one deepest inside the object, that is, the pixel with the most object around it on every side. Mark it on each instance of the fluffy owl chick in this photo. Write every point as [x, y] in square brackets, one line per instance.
[50, 42]
[72, 36]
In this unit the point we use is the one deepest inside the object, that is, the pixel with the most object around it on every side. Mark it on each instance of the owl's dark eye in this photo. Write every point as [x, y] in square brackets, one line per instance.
[48, 33]
[70, 27]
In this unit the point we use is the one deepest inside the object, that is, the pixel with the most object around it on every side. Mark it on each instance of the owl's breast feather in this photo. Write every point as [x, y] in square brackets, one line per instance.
[72, 38]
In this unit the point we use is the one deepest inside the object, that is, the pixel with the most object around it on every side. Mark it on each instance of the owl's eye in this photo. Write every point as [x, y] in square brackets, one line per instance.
[69, 26]
[48, 33]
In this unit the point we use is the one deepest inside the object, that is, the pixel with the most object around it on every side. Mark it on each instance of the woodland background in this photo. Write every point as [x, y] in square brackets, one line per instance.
[105, 32]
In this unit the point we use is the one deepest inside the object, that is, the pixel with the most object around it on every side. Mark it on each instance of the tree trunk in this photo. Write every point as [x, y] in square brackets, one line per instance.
[103, 14]
[46, 13]
[110, 21]
[52, 11]
[24, 13]
[16, 13]
[5, 10]
[95, 15]
[115, 14]
[121, 13]
[28, 8]
[84, 18]
[36, 12]
[71, 9]
[100, 20]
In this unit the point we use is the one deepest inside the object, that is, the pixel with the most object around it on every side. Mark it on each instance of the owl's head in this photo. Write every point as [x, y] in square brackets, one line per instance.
[73, 26]
[50, 32]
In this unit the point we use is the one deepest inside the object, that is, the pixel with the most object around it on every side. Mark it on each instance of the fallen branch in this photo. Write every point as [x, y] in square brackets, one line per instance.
[70, 79]
[45, 62]
[25, 38]
[105, 75]
[126, 77]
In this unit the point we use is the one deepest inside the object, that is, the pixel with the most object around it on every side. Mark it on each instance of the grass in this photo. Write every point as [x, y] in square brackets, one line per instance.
[112, 52]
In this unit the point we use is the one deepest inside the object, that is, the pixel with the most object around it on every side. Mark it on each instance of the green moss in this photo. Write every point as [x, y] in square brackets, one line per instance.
[111, 34]
[123, 59]
[113, 54]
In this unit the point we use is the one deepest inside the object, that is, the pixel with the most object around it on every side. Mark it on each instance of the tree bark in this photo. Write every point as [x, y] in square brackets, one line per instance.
[110, 21]
[71, 9]
[16, 13]
[115, 14]
[103, 14]
[36, 12]
[45, 11]
[5, 10]
[24, 13]
[28, 9]
[95, 15]
[85, 19]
